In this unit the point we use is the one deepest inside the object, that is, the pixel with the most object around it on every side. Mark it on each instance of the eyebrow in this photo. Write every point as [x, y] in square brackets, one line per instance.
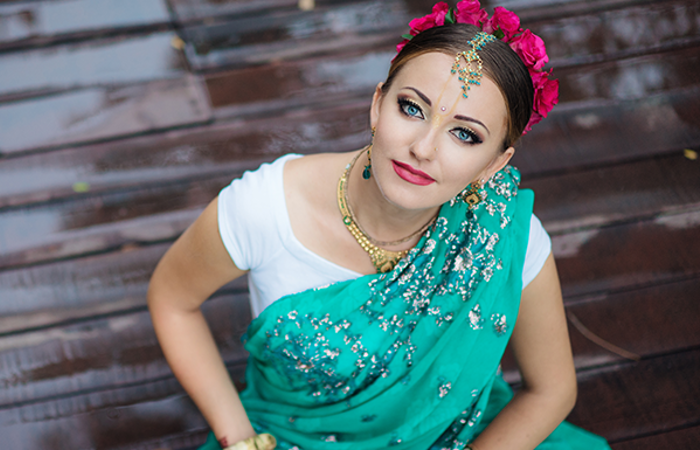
[469, 119]
[458, 117]
[420, 94]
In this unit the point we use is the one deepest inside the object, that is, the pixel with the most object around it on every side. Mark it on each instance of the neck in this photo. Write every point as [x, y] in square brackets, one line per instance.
[381, 219]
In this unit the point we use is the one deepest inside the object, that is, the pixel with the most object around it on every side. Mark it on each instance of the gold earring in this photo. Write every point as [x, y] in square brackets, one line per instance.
[472, 196]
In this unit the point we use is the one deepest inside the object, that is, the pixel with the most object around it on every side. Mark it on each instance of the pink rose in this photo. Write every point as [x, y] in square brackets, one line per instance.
[506, 21]
[434, 19]
[469, 11]
[400, 47]
[535, 118]
[530, 48]
[539, 77]
[546, 96]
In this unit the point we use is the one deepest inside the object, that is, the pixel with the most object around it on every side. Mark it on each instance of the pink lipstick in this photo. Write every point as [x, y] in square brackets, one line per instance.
[412, 175]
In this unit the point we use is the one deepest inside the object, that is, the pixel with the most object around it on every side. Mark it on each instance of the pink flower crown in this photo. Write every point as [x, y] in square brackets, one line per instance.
[504, 25]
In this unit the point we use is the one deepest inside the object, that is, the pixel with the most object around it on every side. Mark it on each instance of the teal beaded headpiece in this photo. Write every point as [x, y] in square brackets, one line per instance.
[469, 75]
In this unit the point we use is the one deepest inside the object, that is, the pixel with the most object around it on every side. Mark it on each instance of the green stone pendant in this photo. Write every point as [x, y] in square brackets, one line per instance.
[366, 173]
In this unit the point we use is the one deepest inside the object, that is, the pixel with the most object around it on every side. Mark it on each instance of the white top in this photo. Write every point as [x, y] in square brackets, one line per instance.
[256, 231]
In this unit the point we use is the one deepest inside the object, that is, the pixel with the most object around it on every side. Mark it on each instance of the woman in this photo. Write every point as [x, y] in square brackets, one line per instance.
[385, 282]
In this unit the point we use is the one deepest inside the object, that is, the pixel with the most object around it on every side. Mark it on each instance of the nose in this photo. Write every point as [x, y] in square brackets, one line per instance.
[425, 146]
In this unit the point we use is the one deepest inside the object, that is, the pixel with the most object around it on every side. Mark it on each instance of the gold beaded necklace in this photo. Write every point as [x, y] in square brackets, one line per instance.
[382, 259]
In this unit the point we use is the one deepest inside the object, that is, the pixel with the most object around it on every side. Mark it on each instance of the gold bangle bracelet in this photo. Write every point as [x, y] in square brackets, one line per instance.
[263, 441]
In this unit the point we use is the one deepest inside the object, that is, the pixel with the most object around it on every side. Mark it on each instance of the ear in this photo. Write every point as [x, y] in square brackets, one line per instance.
[498, 163]
[376, 105]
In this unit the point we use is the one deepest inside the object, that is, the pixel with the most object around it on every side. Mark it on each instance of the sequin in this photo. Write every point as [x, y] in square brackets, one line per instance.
[444, 387]
[475, 320]
[499, 324]
[395, 440]
[376, 344]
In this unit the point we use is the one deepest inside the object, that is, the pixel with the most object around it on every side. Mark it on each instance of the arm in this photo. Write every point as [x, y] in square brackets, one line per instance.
[540, 343]
[190, 271]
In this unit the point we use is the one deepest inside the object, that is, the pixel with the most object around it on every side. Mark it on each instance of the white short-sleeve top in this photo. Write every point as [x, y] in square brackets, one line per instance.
[255, 229]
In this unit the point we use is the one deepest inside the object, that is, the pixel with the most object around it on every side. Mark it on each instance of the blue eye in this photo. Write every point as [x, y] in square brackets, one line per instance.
[466, 135]
[410, 109]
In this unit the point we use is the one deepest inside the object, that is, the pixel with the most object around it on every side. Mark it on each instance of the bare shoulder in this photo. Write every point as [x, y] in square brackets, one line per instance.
[314, 176]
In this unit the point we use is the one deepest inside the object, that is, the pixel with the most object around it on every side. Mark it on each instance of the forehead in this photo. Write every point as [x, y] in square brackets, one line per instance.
[431, 74]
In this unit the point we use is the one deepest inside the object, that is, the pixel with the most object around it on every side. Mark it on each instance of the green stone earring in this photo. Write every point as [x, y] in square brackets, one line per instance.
[367, 173]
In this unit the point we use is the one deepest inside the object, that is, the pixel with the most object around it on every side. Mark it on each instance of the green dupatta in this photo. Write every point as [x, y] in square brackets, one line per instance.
[406, 359]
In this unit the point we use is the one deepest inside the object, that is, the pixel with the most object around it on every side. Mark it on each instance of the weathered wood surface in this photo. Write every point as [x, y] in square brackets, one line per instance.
[293, 34]
[96, 114]
[640, 398]
[634, 321]
[47, 22]
[682, 439]
[76, 289]
[105, 62]
[112, 139]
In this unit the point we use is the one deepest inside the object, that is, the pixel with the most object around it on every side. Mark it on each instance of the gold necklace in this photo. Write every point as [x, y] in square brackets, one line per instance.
[382, 259]
[421, 230]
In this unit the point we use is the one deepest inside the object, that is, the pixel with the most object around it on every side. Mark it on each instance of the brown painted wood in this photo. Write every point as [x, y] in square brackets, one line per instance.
[101, 223]
[649, 322]
[74, 289]
[683, 439]
[599, 132]
[106, 62]
[632, 78]
[596, 35]
[197, 10]
[174, 156]
[617, 257]
[613, 194]
[147, 416]
[41, 23]
[68, 360]
[95, 114]
[289, 35]
[286, 86]
[633, 399]
[77, 289]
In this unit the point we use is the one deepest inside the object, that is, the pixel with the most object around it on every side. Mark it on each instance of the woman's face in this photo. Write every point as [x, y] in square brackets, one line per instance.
[430, 141]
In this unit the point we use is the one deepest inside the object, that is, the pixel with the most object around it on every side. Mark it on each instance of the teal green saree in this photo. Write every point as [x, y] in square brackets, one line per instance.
[407, 359]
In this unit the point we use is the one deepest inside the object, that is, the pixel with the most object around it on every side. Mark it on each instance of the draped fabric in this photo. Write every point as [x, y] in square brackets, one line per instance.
[406, 359]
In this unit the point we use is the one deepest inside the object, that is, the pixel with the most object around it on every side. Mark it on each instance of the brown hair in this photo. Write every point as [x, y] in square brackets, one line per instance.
[500, 63]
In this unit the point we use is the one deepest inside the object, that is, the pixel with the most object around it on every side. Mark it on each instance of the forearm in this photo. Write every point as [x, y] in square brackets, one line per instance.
[527, 420]
[194, 358]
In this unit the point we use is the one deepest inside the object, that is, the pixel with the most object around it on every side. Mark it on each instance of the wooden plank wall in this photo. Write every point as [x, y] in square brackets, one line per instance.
[121, 119]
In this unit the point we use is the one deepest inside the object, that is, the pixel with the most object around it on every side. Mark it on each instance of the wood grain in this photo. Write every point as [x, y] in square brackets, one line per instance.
[41, 23]
[683, 439]
[95, 114]
[632, 320]
[632, 399]
[97, 63]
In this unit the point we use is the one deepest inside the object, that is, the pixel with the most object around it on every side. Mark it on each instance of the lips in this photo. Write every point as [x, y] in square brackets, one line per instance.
[411, 174]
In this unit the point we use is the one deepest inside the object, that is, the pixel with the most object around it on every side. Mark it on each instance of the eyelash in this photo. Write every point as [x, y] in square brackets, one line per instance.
[475, 139]
[405, 103]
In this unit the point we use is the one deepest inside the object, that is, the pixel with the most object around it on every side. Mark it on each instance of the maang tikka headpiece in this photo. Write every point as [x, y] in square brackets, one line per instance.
[469, 74]
[504, 25]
